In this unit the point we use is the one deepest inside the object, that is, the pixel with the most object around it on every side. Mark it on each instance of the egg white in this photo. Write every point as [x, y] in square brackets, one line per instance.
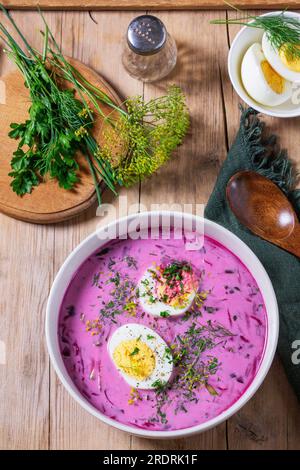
[163, 359]
[254, 80]
[155, 308]
[274, 60]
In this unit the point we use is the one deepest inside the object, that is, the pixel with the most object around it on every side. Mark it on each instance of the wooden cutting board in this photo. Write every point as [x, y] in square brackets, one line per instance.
[148, 4]
[47, 203]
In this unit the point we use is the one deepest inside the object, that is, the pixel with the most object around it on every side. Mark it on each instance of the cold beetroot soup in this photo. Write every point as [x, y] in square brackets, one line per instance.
[160, 337]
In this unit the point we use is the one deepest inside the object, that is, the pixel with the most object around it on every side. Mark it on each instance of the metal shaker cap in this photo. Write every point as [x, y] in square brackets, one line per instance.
[146, 35]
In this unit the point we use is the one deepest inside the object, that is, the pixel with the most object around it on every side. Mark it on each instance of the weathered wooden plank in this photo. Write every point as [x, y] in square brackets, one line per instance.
[24, 378]
[97, 42]
[189, 177]
[26, 272]
[142, 5]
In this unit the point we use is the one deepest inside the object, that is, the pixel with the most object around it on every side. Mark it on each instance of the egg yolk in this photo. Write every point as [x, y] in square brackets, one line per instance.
[135, 358]
[291, 62]
[274, 80]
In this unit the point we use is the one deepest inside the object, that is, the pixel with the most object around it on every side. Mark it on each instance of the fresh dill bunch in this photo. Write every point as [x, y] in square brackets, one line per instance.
[152, 131]
[282, 31]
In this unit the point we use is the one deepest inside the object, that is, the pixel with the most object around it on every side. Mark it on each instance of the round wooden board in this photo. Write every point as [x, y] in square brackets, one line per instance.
[48, 203]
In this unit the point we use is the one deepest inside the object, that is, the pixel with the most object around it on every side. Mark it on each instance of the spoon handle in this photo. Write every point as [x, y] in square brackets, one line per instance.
[291, 243]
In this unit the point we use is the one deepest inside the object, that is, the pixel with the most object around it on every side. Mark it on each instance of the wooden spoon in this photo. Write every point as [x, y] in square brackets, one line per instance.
[260, 205]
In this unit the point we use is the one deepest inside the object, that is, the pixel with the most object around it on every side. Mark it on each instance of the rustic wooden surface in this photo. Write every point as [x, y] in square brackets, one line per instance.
[35, 410]
[146, 4]
[48, 203]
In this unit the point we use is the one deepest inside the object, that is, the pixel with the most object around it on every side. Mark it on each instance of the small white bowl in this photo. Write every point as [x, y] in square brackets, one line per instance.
[158, 219]
[242, 41]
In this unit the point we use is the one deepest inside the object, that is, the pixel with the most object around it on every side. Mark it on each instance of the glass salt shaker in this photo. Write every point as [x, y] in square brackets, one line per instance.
[149, 52]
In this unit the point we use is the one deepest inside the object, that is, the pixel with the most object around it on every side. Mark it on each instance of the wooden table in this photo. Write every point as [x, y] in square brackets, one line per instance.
[35, 410]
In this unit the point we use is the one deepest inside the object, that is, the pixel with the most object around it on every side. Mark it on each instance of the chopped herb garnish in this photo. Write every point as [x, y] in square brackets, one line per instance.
[131, 262]
[158, 384]
[95, 279]
[164, 314]
[168, 355]
[213, 364]
[130, 307]
[210, 309]
[134, 352]
[111, 263]
[116, 279]
[163, 417]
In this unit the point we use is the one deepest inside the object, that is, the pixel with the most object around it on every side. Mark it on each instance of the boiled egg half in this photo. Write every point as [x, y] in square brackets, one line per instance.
[281, 60]
[262, 82]
[141, 356]
[168, 290]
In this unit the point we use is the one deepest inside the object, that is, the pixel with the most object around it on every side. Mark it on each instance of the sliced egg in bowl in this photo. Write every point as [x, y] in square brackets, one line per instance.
[141, 356]
[168, 290]
[260, 79]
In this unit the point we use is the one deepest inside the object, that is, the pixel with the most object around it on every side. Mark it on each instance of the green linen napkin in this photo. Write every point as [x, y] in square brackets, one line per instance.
[251, 151]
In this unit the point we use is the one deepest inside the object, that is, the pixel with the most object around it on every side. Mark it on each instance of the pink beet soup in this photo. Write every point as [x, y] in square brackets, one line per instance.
[216, 346]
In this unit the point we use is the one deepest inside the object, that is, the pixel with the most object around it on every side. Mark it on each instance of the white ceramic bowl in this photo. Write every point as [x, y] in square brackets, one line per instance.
[154, 219]
[242, 41]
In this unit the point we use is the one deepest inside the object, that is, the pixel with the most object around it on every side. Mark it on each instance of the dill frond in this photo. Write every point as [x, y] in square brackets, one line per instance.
[282, 30]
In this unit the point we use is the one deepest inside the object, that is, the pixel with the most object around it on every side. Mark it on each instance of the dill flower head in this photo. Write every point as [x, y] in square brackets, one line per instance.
[81, 132]
[150, 131]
